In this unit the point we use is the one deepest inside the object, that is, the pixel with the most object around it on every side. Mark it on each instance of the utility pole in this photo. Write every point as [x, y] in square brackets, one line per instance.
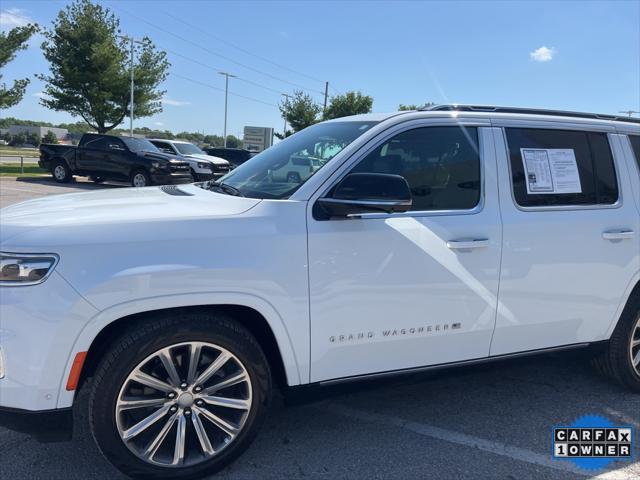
[132, 41]
[326, 94]
[286, 105]
[629, 112]
[226, 98]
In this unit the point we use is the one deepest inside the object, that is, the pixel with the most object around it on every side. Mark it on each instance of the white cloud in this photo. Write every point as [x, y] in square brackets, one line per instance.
[14, 17]
[174, 103]
[543, 54]
[158, 124]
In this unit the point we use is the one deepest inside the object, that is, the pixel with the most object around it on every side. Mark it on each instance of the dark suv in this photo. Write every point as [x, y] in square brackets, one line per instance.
[237, 156]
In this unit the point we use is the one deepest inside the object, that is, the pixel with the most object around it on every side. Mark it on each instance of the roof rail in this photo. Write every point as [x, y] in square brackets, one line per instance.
[534, 111]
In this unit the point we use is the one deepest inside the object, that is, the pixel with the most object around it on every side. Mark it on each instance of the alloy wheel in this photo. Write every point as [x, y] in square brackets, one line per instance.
[59, 172]
[183, 404]
[634, 347]
[139, 180]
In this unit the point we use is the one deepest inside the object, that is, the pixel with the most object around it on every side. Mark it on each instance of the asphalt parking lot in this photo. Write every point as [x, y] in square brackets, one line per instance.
[485, 422]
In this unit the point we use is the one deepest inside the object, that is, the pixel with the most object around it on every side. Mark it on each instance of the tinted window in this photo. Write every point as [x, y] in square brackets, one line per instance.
[441, 165]
[635, 145]
[96, 143]
[585, 162]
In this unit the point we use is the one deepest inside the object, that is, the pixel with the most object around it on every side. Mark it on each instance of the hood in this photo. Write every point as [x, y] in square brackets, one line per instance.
[158, 156]
[116, 208]
[210, 158]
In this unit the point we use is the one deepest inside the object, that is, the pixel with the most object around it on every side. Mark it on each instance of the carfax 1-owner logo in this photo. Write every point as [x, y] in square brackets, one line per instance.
[593, 442]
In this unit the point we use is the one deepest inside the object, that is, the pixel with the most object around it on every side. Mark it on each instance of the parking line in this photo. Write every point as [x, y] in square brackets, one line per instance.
[490, 446]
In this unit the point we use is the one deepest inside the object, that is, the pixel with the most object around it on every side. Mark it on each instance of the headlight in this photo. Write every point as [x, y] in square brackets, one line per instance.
[204, 165]
[25, 269]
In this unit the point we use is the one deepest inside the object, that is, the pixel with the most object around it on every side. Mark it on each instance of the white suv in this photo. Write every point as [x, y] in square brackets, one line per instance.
[426, 239]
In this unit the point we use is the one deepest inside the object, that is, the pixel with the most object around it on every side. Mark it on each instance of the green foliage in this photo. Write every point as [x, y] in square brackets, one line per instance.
[33, 139]
[50, 137]
[214, 140]
[18, 139]
[10, 43]
[90, 68]
[403, 107]
[299, 110]
[351, 103]
[233, 142]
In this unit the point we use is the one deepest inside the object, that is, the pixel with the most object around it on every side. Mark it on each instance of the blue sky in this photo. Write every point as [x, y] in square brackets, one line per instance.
[564, 55]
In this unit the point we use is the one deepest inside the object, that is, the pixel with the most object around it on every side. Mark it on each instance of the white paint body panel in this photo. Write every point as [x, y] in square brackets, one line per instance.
[544, 279]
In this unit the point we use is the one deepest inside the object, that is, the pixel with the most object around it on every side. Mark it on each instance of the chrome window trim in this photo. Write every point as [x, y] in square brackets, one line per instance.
[562, 208]
[396, 129]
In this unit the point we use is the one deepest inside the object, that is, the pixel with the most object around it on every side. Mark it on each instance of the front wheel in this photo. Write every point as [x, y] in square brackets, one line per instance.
[140, 178]
[179, 396]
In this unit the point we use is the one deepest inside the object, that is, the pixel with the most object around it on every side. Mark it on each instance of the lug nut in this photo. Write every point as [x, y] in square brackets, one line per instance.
[173, 409]
[183, 385]
[198, 389]
[171, 395]
[187, 412]
[200, 403]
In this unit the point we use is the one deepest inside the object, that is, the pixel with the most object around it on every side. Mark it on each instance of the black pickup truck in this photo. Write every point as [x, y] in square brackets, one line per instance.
[109, 157]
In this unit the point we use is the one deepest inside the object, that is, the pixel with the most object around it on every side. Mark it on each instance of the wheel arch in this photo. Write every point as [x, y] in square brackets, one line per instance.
[631, 298]
[96, 340]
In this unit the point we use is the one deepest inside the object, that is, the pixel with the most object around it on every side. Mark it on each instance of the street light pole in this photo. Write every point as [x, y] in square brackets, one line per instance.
[629, 112]
[226, 99]
[132, 41]
[286, 106]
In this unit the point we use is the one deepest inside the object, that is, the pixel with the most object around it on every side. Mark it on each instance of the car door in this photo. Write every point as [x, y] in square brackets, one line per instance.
[90, 156]
[405, 290]
[115, 159]
[571, 246]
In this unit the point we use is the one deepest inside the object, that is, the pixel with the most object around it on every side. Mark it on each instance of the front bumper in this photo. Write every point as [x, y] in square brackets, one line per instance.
[162, 178]
[38, 328]
[44, 425]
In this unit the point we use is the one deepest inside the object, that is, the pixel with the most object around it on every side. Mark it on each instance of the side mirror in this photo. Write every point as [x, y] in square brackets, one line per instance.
[360, 193]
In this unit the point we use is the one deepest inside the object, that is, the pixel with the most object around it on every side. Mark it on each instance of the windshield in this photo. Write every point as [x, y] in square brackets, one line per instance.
[188, 149]
[280, 170]
[139, 144]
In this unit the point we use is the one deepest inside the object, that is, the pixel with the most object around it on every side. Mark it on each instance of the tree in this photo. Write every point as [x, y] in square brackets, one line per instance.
[10, 44]
[33, 139]
[213, 140]
[351, 103]
[50, 137]
[90, 69]
[300, 111]
[233, 142]
[402, 107]
[18, 139]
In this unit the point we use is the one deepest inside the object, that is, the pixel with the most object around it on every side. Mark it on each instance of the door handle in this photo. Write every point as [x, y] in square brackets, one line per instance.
[468, 244]
[618, 234]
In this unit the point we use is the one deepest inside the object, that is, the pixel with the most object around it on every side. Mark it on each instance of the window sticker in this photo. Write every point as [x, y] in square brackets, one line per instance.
[551, 170]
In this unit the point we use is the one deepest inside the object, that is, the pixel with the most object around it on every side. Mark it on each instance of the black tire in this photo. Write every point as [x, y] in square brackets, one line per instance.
[96, 179]
[61, 172]
[137, 176]
[616, 361]
[143, 340]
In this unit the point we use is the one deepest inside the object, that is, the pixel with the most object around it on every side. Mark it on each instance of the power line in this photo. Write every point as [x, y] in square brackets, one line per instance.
[248, 52]
[213, 87]
[218, 54]
[217, 69]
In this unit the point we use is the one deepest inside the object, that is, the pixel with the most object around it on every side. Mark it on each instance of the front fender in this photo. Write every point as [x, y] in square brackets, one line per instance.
[293, 369]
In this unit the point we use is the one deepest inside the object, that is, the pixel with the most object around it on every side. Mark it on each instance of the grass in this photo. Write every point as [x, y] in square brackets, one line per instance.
[22, 152]
[13, 170]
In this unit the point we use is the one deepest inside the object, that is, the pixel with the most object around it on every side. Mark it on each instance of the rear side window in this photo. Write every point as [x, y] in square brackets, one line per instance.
[96, 143]
[441, 166]
[561, 168]
[635, 145]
